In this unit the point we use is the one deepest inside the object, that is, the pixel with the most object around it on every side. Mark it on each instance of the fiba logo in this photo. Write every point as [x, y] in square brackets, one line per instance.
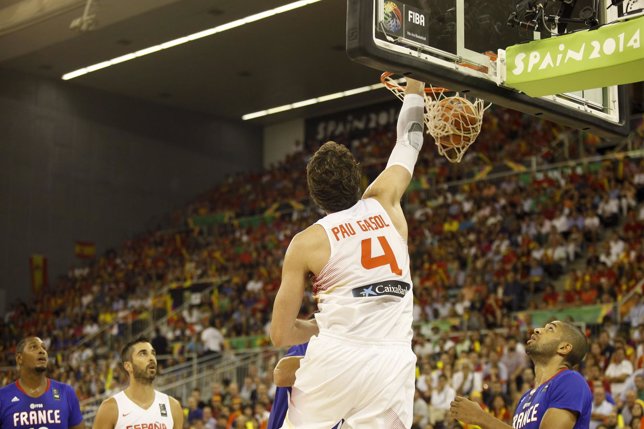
[393, 17]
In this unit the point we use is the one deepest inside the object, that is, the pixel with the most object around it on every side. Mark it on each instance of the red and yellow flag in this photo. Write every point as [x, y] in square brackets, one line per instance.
[85, 249]
[38, 270]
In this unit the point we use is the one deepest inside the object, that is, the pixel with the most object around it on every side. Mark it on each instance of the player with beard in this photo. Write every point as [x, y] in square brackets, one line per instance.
[560, 399]
[33, 400]
[139, 405]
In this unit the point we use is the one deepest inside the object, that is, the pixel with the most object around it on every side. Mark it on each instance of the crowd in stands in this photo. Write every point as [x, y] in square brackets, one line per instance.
[489, 367]
[480, 251]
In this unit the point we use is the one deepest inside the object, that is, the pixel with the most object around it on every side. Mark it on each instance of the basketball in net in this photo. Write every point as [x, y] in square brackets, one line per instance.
[453, 120]
[456, 124]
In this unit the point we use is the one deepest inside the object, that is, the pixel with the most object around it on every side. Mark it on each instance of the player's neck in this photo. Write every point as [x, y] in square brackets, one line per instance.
[142, 394]
[34, 383]
[545, 371]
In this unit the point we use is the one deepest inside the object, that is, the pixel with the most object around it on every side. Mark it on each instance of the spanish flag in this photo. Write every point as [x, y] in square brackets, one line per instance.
[38, 270]
[85, 249]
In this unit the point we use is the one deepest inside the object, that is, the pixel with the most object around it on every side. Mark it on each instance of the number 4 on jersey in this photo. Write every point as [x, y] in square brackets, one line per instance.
[387, 258]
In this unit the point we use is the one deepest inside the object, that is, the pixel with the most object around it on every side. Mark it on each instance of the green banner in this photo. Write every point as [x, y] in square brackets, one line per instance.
[211, 219]
[218, 218]
[590, 314]
[609, 55]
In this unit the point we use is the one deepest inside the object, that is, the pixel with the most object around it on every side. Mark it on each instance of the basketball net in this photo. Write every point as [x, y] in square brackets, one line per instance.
[453, 121]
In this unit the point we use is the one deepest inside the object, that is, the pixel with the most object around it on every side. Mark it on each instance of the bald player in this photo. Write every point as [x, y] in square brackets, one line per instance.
[560, 399]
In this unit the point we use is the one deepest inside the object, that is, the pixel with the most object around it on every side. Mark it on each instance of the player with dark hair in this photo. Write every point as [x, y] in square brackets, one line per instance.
[139, 404]
[560, 399]
[33, 400]
[359, 257]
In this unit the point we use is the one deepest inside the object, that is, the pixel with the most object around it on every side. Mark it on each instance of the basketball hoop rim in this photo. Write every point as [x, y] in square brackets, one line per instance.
[391, 84]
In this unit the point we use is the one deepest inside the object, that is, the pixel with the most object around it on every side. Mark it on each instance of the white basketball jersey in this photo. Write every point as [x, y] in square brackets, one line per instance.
[365, 289]
[131, 416]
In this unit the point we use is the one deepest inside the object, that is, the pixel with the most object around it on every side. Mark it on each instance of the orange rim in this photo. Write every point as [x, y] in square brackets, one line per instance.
[391, 85]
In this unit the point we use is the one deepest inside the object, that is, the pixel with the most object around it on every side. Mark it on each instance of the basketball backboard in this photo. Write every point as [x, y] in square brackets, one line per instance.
[455, 44]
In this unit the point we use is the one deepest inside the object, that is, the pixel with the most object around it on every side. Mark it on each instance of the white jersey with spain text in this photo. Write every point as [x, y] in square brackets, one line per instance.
[156, 416]
[365, 289]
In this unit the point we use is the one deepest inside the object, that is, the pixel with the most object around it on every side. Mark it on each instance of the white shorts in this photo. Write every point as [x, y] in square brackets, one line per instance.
[369, 385]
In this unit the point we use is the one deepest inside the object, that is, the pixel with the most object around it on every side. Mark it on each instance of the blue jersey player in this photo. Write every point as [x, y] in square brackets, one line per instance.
[284, 379]
[280, 404]
[35, 401]
[561, 398]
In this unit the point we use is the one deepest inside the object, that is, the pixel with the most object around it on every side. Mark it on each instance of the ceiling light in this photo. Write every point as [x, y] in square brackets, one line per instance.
[311, 101]
[189, 38]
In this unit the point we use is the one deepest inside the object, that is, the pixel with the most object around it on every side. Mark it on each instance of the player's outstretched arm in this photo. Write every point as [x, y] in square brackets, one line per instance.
[470, 412]
[107, 415]
[284, 372]
[391, 184]
[177, 413]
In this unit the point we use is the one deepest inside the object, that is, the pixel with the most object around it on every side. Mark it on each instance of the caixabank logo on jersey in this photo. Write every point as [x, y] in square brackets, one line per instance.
[390, 287]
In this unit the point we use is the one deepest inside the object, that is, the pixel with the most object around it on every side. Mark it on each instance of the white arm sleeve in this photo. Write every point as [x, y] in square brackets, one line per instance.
[409, 139]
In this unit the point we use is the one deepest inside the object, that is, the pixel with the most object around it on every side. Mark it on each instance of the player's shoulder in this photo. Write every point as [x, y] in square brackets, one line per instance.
[8, 391]
[173, 401]
[571, 375]
[309, 237]
[59, 386]
[107, 413]
[571, 379]
[109, 401]
[175, 405]
[8, 388]
[109, 405]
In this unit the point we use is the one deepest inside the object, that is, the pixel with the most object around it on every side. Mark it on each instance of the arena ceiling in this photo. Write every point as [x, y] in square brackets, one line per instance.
[283, 59]
[287, 58]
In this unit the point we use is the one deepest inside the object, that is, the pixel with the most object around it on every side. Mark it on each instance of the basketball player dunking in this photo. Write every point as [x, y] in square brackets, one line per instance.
[139, 404]
[561, 398]
[359, 257]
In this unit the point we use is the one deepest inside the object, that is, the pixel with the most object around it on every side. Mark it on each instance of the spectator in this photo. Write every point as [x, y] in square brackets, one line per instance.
[514, 360]
[209, 421]
[601, 407]
[618, 371]
[421, 410]
[442, 396]
[626, 406]
[192, 411]
[500, 409]
[160, 344]
[636, 313]
[212, 340]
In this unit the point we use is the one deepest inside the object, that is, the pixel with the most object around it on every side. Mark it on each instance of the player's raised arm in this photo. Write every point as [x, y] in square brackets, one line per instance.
[107, 415]
[391, 184]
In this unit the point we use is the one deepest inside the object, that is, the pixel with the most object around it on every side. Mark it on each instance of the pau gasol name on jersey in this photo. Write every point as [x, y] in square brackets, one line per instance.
[390, 287]
[37, 418]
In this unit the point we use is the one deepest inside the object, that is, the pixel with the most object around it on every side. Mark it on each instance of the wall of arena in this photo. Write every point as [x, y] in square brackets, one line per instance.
[65, 146]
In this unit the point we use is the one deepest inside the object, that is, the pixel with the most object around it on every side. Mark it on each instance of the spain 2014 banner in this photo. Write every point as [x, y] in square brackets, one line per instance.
[85, 249]
[38, 271]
